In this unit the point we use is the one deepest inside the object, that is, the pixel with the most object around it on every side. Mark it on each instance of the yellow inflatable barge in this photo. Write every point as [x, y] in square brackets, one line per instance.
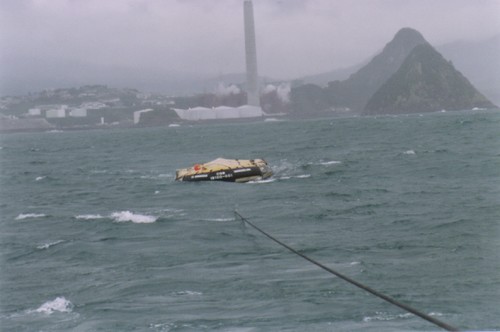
[229, 170]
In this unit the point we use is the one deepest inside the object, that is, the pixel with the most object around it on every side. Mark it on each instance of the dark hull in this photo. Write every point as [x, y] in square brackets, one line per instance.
[231, 175]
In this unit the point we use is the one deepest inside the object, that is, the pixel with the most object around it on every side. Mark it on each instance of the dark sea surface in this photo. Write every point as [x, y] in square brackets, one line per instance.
[97, 236]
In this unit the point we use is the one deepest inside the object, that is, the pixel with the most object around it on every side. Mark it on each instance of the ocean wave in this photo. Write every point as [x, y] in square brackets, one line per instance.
[284, 166]
[301, 176]
[50, 244]
[383, 316]
[89, 216]
[23, 216]
[327, 163]
[59, 304]
[167, 175]
[409, 152]
[124, 216]
[269, 180]
[219, 219]
[157, 176]
[39, 178]
[188, 293]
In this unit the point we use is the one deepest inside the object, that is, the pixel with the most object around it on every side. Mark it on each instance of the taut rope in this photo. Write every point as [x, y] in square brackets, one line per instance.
[354, 282]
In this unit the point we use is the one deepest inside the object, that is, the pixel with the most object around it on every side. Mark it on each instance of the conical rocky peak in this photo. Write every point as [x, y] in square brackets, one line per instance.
[355, 91]
[402, 44]
[425, 82]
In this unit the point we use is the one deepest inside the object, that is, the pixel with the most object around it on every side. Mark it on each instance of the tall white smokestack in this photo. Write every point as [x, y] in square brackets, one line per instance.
[251, 56]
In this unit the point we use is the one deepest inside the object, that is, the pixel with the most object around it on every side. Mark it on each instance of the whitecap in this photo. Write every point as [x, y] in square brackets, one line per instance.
[98, 171]
[383, 316]
[283, 167]
[174, 125]
[327, 163]
[123, 216]
[157, 192]
[262, 181]
[89, 216]
[59, 304]
[301, 176]
[219, 219]
[39, 178]
[50, 244]
[411, 152]
[188, 292]
[30, 215]
[174, 210]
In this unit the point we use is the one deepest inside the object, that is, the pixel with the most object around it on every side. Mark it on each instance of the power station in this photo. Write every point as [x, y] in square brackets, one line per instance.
[251, 55]
[252, 109]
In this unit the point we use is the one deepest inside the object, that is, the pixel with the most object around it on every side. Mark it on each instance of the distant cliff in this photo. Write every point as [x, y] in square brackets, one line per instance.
[425, 82]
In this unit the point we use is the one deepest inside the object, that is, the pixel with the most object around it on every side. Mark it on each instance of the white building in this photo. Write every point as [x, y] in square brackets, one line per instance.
[59, 112]
[93, 105]
[78, 113]
[221, 112]
[34, 112]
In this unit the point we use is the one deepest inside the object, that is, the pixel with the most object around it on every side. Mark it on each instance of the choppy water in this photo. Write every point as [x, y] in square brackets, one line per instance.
[96, 235]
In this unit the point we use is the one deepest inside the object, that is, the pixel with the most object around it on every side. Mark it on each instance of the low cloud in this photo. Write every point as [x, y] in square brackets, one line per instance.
[294, 37]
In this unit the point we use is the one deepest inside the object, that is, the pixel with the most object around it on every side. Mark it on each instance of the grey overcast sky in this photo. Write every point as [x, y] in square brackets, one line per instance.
[294, 37]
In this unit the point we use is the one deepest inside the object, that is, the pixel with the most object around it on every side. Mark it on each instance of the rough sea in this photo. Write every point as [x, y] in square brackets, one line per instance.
[96, 235]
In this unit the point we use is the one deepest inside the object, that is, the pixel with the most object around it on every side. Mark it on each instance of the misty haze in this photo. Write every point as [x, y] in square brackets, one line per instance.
[167, 165]
[176, 47]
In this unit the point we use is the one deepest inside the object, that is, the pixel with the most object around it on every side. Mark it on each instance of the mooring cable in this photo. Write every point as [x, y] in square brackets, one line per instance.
[352, 281]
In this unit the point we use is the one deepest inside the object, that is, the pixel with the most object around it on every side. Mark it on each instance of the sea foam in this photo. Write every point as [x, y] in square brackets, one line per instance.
[50, 244]
[23, 216]
[89, 216]
[219, 219]
[383, 316]
[269, 180]
[188, 293]
[135, 218]
[332, 162]
[59, 304]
